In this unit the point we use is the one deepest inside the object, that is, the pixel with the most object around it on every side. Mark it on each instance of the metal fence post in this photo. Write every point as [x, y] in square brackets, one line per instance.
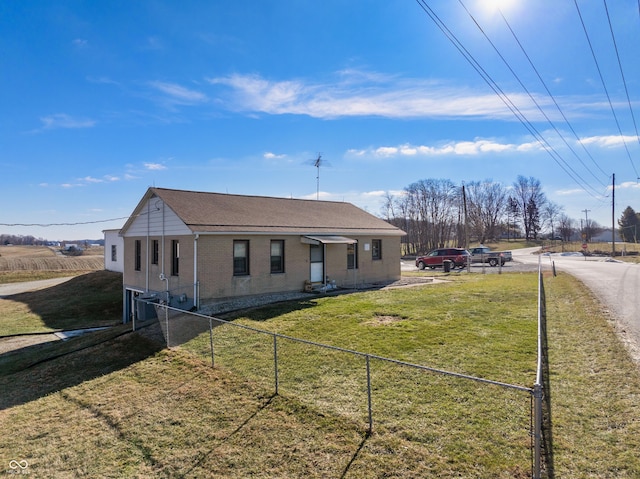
[211, 342]
[537, 431]
[275, 361]
[369, 396]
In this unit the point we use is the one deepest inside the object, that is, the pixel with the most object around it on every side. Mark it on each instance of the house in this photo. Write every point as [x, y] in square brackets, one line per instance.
[113, 250]
[192, 248]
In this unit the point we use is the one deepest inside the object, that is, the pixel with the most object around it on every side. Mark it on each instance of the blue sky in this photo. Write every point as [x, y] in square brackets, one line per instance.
[101, 100]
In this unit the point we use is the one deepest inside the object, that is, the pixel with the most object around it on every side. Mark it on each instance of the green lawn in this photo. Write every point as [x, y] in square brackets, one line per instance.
[87, 300]
[121, 409]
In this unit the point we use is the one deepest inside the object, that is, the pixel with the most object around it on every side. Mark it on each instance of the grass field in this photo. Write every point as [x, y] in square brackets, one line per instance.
[28, 263]
[119, 407]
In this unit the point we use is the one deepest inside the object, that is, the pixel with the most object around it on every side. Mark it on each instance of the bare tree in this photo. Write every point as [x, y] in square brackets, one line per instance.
[550, 213]
[433, 206]
[566, 228]
[531, 200]
[486, 203]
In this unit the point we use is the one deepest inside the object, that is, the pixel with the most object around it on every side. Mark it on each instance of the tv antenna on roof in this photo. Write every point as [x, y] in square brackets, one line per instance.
[318, 162]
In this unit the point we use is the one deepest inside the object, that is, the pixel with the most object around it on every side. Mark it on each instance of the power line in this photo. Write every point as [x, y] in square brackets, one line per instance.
[46, 225]
[544, 84]
[535, 102]
[604, 86]
[624, 82]
[496, 88]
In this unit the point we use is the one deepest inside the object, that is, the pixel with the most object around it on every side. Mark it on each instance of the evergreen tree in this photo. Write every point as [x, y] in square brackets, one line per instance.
[629, 225]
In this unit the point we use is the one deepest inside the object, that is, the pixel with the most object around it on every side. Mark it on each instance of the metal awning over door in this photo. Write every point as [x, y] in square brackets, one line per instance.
[326, 239]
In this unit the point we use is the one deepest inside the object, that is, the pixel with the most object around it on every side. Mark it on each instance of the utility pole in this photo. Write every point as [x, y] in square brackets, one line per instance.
[466, 228]
[613, 217]
[586, 223]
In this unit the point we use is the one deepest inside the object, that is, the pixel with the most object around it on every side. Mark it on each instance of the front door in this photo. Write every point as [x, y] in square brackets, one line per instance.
[316, 259]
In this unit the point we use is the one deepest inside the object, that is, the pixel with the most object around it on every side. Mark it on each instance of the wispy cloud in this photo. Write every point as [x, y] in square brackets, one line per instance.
[62, 120]
[570, 192]
[102, 80]
[154, 166]
[177, 94]
[461, 148]
[79, 43]
[91, 179]
[611, 141]
[357, 93]
[635, 185]
[272, 156]
[153, 43]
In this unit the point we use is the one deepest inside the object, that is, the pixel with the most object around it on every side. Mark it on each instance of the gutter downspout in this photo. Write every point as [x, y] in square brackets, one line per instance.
[162, 273]
[196, 300]
[324, 266]
[146, 286]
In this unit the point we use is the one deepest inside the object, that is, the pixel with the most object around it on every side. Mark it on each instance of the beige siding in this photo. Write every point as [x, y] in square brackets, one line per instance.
[215, 265]
[148, 278]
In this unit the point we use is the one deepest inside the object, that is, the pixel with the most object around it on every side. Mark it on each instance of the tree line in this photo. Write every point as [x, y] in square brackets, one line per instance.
[6, 239]
[437, 212]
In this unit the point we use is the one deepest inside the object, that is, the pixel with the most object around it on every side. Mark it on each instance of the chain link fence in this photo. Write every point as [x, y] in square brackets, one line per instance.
[449, 412]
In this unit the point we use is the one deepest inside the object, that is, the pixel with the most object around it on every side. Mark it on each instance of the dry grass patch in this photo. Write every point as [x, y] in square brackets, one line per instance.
[595, 388]
[383, 320]
[44, 258]
[174, 416]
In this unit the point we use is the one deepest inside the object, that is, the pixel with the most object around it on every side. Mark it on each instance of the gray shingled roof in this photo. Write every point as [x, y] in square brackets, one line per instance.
[206, 212]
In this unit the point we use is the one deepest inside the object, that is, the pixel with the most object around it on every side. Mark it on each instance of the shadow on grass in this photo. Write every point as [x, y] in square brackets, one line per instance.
[269, 311]
[36, 371]
[203, 457]
[88, 300]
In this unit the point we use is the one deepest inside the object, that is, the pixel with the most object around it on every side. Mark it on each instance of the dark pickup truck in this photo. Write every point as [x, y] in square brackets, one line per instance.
[482, 254]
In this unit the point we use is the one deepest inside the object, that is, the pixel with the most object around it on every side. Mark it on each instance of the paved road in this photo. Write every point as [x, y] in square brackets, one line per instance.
[615, 283]
[8, 289]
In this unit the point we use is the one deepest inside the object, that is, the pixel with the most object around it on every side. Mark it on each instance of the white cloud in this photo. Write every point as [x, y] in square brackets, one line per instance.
[365, 94]
[91, 179]
[461, 148]
[610, 141]
[155, 166]
[178, 94]
[62, 120]
[629, 185]
[571, 192]
[80, 42]
[270, 156]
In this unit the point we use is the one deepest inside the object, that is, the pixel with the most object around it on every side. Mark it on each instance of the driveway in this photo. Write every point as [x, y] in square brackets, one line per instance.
[615, 283]
[8, 289]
